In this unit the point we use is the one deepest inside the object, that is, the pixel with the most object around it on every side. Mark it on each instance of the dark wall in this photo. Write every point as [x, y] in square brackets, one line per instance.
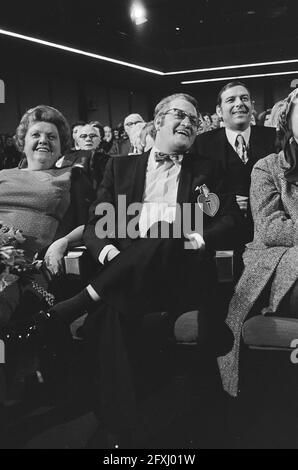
[85, 88]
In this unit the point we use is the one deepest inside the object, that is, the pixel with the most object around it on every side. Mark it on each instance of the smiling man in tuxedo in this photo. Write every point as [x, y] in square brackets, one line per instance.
[137, 276]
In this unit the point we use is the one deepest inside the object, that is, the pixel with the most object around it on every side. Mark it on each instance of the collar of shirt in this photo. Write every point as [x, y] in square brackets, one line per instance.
[153, 164]
[231, 136]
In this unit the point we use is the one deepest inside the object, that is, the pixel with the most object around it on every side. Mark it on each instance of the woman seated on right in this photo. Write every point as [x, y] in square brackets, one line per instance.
[270, 279]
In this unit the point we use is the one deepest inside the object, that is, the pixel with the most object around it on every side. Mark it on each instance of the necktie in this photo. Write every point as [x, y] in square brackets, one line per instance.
[161, 157]
[241, 148]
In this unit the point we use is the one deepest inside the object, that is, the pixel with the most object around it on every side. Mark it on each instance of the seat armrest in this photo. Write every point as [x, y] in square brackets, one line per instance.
[73, 261]
[225, 265]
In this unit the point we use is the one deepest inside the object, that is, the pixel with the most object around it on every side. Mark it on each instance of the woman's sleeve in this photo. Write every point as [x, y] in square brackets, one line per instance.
[271, 223]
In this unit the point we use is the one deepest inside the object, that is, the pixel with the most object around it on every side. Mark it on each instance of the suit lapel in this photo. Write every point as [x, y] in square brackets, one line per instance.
[221, 147]
[184, 186]
[139, 177]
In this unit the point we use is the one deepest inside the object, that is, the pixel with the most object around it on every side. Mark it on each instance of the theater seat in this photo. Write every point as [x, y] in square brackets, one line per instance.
[270, 332]
[186, 328]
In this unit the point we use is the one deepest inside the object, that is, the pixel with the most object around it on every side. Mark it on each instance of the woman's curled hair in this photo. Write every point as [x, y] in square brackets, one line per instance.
[44, 113]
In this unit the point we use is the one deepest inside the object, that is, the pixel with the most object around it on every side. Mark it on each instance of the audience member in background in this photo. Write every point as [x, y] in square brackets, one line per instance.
[264, 118]
[41, 200]
[116, 134]
[108, 138]
[207, 122]
[110, 144]
[123, 140]
[88, 138]
[12, 156]
[90, 155]
[129, 122]
[98, 125]
[254, 118]
[147, 136]
[215, 121]
[75, 128]
[135, 139]
[271, 274]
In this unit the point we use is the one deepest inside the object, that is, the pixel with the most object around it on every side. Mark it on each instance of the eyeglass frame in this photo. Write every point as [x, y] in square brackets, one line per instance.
[194, 121]
[130, 124]
[91, 136]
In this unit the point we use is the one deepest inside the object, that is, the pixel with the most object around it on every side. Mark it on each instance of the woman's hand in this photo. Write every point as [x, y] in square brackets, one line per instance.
[54, 256]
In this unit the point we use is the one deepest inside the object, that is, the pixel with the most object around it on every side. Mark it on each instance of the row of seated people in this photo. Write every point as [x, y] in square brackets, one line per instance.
[137, 274]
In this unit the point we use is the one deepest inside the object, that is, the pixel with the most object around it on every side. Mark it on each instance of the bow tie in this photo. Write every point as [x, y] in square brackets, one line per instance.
[161, 157]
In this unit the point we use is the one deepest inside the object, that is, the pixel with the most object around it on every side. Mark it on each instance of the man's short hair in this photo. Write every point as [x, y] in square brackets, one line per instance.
[163, 104]
[227, 87]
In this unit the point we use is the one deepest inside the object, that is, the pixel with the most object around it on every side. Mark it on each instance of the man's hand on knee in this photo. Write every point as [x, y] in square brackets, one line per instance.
[196, 241]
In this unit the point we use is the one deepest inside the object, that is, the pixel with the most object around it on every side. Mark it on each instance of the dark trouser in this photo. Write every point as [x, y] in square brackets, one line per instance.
[151, 275]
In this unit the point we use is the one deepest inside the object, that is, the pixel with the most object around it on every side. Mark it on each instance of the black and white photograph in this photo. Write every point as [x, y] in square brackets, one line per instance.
[149, 227]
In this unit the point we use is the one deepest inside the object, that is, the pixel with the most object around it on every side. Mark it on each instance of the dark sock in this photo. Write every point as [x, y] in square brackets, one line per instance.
[71, 309]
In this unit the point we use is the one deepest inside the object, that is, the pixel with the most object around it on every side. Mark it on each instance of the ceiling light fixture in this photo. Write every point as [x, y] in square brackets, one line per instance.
[79, 52]
[149, 70]
[259, 75]
[232, 67]
[138, 14]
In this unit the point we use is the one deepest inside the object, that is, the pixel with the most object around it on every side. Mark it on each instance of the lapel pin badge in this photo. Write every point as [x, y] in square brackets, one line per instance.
[208, 202]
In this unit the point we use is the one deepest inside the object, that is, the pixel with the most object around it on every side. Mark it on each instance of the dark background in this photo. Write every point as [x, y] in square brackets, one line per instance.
[211, 33]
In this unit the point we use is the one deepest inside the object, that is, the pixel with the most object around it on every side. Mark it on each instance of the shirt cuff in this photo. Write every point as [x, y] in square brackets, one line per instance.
[103, 254]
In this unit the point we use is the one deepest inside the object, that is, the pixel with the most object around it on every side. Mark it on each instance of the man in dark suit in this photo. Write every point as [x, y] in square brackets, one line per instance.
[143, 265]
[238, 145]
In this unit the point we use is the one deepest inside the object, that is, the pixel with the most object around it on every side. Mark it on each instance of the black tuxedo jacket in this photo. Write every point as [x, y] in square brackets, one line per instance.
[214, 145]
[126, 176]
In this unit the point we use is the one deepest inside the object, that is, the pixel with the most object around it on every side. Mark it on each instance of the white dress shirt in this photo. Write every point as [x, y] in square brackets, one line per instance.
[232, 136]
[159, 197]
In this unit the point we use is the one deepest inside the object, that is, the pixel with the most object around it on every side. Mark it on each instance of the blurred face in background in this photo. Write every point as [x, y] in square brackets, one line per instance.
[75, 131]
[108, 134]
[130, 121]
[215, 120]
[88, 138]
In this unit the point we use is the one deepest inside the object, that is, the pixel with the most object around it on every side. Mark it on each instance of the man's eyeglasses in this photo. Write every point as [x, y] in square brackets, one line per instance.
[181, 115]
[91, 136]
[130, 123]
